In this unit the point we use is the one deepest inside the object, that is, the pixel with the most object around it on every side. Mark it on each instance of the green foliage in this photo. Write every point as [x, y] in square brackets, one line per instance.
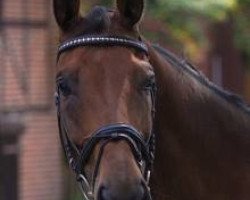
[216, 10]
[106, 2]
[76, 196]
[187, 20]
[242, 28]
[242, 33]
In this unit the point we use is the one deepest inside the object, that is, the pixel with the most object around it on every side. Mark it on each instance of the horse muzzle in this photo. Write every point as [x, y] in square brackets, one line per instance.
[135, 191]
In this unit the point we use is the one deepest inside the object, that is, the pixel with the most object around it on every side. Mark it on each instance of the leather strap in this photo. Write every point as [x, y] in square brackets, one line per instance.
[102, 41]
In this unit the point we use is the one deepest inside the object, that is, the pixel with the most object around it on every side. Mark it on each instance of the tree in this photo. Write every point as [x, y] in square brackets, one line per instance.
[187, 21]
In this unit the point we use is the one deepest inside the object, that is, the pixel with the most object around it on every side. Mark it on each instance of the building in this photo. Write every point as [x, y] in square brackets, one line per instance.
[26, 90]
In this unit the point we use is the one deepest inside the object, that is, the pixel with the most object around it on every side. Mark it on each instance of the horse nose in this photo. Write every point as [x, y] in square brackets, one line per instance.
[135, 192]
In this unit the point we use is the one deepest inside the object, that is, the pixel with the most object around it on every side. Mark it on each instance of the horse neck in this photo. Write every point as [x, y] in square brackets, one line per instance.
[185, 99]
[195, 127]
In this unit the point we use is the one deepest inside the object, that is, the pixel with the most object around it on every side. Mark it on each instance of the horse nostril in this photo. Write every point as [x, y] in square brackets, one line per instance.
[137, 192]
[103, 194]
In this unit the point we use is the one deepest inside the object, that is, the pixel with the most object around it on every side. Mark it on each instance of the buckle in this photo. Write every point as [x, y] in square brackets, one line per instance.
[84, 187]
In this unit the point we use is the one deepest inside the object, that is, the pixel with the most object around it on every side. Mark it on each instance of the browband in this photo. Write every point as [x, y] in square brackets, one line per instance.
[102, 41]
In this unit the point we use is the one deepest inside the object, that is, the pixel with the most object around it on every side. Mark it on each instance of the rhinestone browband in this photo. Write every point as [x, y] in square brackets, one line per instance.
[102, 41]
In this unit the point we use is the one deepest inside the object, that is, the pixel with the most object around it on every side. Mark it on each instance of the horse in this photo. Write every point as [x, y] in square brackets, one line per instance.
[127, 107]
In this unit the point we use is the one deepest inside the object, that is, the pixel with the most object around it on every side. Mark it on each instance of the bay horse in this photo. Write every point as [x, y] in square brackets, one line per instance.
[111, 116]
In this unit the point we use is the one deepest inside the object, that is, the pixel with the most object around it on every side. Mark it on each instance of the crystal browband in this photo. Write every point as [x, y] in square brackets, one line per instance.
[101, 41]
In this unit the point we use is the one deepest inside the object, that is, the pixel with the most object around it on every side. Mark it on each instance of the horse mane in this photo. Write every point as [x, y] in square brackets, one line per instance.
[230, 97]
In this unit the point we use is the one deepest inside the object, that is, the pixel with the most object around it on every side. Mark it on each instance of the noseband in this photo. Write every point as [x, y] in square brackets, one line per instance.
[143, 149]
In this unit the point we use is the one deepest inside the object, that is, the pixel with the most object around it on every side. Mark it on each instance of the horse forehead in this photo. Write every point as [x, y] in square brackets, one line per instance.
[107, 58]
[98, 62]
[108, 67]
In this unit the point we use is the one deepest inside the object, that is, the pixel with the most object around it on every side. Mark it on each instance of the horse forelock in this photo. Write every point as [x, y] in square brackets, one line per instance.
[95, 22]
[98, 19]
[102, 21]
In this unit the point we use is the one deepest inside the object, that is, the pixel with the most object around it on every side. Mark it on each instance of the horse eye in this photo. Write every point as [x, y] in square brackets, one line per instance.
[63, 87]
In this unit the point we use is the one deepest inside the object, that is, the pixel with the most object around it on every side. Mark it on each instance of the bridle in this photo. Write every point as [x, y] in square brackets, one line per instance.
[143, 149]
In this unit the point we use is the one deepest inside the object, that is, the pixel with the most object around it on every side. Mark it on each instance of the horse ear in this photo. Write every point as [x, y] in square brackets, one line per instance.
[131, 10]
[66, 13]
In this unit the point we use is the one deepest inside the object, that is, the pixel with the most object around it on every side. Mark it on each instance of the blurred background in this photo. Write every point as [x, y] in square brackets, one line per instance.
[214, 35]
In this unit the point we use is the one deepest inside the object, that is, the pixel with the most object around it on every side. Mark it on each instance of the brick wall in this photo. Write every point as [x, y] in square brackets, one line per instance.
[27, 61]
[40, 166]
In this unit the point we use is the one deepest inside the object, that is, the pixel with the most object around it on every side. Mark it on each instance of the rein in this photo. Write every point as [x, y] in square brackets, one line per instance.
[143, 149]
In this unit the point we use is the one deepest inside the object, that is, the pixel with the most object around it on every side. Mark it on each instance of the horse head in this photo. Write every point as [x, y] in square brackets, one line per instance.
[105, 99]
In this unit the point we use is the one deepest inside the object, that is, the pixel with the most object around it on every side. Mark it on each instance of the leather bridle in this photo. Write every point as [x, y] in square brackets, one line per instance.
[143, 149]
